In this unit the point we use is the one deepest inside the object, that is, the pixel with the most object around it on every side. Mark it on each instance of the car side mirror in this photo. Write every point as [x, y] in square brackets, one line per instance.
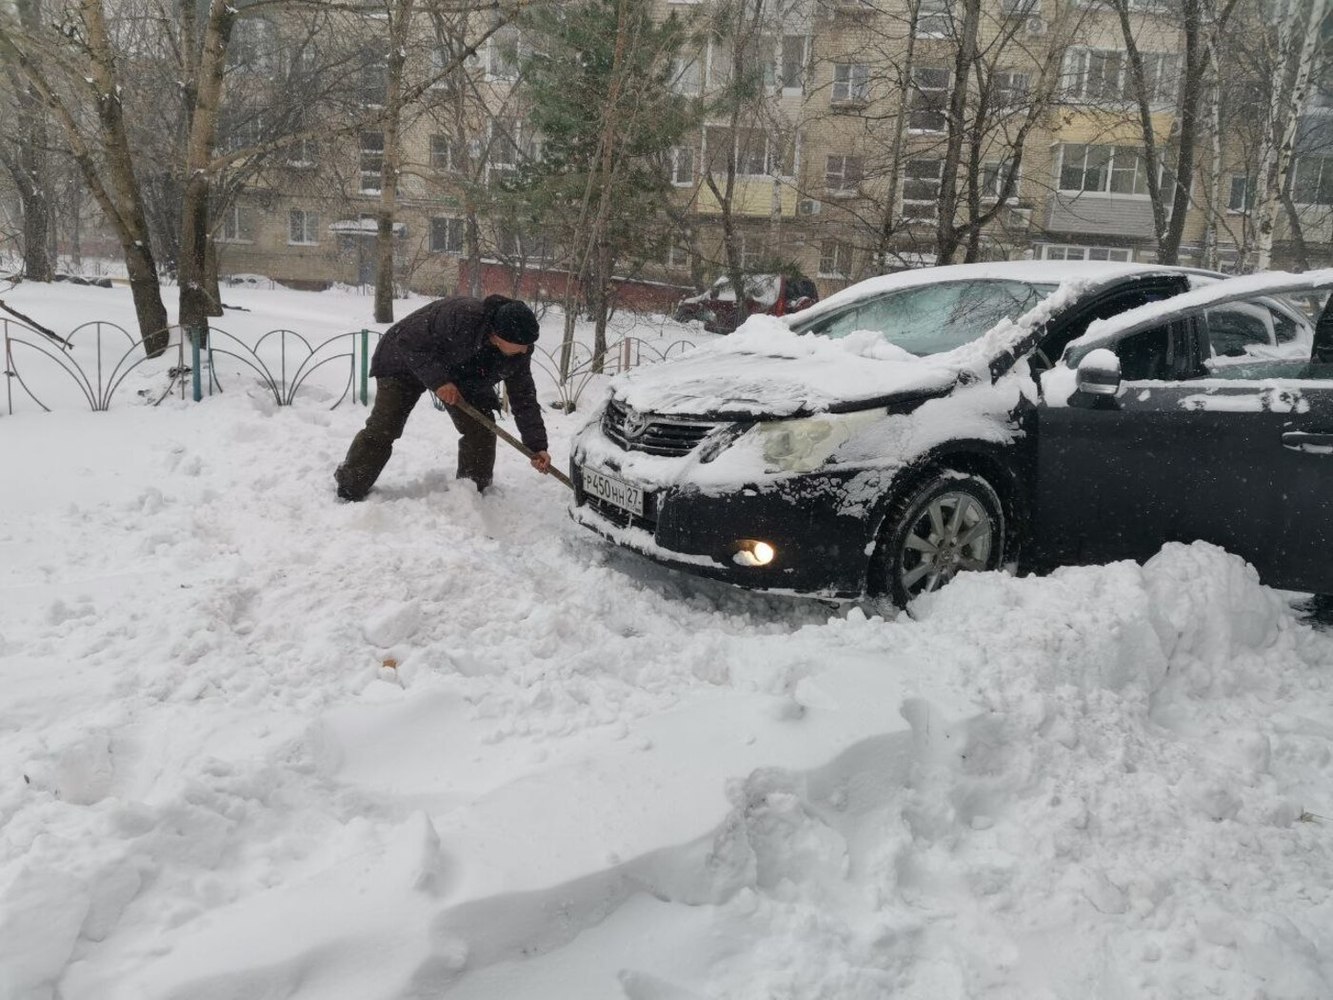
[1099, 373]
[1097, 379]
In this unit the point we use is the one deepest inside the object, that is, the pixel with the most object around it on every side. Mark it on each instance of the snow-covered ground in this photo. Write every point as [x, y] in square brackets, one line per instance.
[256, 743]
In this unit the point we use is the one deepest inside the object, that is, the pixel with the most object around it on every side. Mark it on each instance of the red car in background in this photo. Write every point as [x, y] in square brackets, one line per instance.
[771, 294]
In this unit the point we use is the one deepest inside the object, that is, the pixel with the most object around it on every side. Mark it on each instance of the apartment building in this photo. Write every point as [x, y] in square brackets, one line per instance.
[837, 164]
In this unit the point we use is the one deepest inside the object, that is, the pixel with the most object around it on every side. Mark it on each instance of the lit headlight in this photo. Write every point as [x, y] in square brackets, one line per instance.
[805, 445]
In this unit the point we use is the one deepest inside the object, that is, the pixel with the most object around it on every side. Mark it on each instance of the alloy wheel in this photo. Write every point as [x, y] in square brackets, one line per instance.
[953, 532]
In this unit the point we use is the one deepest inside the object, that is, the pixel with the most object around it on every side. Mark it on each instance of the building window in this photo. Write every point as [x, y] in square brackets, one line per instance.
[253, 47]
[682, 166]
[446, 153]
[851, 82]
[686, 75]
[842, 174]
[792, 61]
[504, 49]
[835, 259]
[993, 173]
[1021, 8]
[236, 226]
[1050, 251]
[922, 180]
[752, 151]
[302, 228]
[446, 235]
[442, 68]
[1313, 184]
[372, 162]
[928, 107]
[933, 19]
[449, 63]
[303, 154]
[1108, 170]
[1104, 75]
[372, 81]
[751, 254]
[1009, 90]
[502, 156]
[1239, 198]
[719, 62]
[243, 134]
[676, 255]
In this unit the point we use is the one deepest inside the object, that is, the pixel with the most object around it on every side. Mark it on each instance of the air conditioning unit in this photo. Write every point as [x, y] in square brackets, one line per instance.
[1036, 25]
[807, 206]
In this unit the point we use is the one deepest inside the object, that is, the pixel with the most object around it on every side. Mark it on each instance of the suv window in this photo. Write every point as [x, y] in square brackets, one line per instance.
[1233, 328]
[1285, 327]
[1053, 346]
[1146, 355]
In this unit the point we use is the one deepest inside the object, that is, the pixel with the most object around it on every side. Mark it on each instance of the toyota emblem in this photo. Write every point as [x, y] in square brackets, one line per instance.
[635, 424]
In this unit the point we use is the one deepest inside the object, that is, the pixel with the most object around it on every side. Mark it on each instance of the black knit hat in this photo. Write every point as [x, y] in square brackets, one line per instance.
[511, 320]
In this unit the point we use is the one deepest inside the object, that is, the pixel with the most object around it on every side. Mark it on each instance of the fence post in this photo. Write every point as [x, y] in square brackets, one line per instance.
[195, 374]
[365, 367]
[9, 370]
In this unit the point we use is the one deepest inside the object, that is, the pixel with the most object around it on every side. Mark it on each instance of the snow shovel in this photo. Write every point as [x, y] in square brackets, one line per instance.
[508, 438]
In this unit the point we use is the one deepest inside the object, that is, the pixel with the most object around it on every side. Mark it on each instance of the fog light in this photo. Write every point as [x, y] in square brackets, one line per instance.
[754, 553]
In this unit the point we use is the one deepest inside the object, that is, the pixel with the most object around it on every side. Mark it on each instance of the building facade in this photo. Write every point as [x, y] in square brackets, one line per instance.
[836, 163]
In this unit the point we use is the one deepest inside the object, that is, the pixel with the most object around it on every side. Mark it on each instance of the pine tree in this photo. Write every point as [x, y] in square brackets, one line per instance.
[600, 101]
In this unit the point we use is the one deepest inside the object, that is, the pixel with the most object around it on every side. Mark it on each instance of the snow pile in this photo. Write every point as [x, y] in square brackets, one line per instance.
[257, 743]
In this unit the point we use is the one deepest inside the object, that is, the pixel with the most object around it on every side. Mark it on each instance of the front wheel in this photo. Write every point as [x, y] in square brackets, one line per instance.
[951, 522]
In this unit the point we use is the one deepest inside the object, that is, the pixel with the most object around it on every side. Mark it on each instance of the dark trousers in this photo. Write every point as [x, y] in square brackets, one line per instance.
[373, 444]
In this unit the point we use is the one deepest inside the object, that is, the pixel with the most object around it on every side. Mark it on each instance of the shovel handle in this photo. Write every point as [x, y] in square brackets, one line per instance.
[508, 438]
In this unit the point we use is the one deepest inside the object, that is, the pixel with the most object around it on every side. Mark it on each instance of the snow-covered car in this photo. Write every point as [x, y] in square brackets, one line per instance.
[966, 417]
[770, 294]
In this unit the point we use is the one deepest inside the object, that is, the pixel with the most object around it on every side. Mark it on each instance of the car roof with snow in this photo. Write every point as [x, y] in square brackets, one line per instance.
[1036, 272]
[1106, 331]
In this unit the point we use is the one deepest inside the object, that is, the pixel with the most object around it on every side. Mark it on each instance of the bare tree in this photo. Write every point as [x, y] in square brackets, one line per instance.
[72, 67]
[28, 164]
[1298, 37]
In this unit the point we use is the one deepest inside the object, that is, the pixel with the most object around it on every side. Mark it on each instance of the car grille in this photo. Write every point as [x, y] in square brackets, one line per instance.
[656, 435]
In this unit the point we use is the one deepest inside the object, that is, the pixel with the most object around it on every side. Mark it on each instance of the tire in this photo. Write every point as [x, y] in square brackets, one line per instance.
[947, 523]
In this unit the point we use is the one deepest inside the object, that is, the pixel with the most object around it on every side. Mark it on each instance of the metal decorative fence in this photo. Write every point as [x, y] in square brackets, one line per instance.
[99, 357]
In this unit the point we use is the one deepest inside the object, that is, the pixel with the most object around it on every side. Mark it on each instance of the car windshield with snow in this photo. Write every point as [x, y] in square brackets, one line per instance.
[962, 418]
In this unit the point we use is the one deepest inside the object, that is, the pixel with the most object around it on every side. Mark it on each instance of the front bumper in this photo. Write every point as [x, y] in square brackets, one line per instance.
[821, 541]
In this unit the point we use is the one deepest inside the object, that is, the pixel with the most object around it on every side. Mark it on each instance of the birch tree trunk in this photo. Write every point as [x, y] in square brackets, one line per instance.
[1191, 92]
[947, 237]
[1212, 233]
[1284, 116]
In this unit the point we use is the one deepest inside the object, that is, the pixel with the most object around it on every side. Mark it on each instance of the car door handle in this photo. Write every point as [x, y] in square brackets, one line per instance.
[1310, 443]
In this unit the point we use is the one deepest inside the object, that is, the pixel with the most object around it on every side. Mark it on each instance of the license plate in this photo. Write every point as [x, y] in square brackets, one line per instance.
[613, 491]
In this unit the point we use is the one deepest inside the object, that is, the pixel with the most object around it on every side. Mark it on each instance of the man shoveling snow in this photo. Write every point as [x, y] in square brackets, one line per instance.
[457, 348]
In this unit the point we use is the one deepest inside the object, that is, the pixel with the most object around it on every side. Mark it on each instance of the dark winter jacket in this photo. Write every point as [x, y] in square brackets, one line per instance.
[446, 341]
